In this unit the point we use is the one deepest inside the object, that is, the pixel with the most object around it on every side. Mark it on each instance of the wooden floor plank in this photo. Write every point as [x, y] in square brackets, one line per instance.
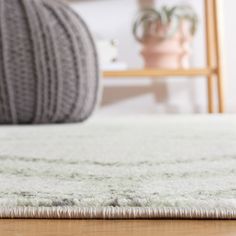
[116, 228]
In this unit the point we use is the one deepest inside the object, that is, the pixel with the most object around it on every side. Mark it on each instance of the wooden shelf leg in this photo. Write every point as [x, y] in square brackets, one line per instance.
[219, 71]
[210, 80]
[210, 55]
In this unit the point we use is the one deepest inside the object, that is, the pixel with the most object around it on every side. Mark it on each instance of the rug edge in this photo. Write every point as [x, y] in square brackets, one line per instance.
[116, 213]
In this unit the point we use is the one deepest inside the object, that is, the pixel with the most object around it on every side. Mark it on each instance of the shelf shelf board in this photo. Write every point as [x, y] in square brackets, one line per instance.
[157, 73]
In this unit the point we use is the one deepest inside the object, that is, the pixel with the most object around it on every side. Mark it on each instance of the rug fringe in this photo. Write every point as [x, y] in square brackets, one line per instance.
[115, 213]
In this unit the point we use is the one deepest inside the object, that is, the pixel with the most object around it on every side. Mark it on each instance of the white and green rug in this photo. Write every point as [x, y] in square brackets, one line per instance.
[136, 167]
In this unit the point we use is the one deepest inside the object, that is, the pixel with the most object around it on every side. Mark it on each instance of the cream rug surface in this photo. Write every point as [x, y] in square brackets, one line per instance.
[130, 167]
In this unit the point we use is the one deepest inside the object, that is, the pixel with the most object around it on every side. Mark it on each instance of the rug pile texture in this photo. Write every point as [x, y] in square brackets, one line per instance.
[131, 167]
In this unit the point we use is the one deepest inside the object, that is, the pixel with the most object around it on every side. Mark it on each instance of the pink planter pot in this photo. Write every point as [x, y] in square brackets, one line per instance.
[168, 53]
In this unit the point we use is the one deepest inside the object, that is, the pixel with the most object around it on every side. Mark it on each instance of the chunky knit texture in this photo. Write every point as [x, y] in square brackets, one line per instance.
[48, 63]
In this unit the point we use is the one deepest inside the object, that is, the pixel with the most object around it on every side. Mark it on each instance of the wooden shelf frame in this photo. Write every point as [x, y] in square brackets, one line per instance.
[214, 61]
[157, 73]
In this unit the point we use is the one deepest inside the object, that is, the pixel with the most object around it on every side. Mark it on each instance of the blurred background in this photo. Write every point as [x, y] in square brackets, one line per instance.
[112, 23]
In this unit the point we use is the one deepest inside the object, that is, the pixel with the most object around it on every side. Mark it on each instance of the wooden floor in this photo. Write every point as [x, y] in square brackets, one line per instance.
[116, 228]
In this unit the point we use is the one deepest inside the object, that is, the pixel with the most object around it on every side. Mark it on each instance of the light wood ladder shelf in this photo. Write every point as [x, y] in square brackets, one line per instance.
[214, 61]
[157, 73]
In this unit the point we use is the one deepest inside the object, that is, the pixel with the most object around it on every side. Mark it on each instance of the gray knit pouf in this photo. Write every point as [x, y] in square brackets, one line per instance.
[48, 63]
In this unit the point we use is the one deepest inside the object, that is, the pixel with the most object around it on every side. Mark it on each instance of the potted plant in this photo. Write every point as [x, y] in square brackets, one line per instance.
[166, 35]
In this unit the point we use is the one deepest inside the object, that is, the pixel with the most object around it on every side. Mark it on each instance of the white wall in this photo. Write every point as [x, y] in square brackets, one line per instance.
[113, 19]
[229, 51]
